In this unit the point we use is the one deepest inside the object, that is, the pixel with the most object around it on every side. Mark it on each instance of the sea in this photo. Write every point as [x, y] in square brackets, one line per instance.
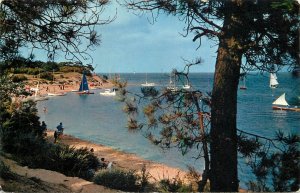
[100, 119]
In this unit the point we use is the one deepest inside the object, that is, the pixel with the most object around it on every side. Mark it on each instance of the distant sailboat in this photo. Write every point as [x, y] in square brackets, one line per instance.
[38, 97]
[172, 85]
[273, 81]
[243, 87]
[84, 86]
[281, 104]
[109, 92]
[148, 84]
[187, 86]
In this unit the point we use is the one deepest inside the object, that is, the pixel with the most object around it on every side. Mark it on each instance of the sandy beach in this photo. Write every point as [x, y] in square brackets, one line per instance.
[69, 83]
[123, 160]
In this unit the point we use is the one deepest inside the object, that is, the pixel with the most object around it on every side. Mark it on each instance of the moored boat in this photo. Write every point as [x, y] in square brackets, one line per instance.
[148, 84]
[84, 86]
[57, 94]
[187, 86]
[109, 92]
[273, 81]
[281, 104]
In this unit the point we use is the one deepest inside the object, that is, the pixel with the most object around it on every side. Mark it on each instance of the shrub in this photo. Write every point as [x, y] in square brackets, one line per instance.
[5, 172]
[46, 75]
[64, 159]
[78, 69]
[19, 78]
[21, 127]
[174, 185]
[118, 179]
[21, 135]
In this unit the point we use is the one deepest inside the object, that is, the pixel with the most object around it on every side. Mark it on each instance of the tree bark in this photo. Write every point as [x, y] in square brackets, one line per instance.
[223, 174]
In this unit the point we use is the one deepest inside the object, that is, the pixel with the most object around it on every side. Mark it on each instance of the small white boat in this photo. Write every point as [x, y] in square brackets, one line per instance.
[187, 86]
[281, 104]
[109, 92]
[37, 96]
[172, 88]
[148, 84]
[243, 87]
[273, 81]
[57, 94]
[172, 85]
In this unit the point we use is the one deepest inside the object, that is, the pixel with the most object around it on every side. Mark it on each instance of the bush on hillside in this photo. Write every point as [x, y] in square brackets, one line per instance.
[5, 172]
[118, 179]
[46, 75]
[174, 185]
[78, 69]
[21, 127]
[22, 136]
[64, 159]
[19, 78]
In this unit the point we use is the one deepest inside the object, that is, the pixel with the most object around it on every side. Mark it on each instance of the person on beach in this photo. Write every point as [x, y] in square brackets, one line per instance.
[55, 136]
[60, 128]
[59, 132]
[44, 128]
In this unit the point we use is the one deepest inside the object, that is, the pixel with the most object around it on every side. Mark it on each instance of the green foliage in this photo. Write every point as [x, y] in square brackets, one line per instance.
[22, 127]
[46, 75]
[174, 185]
[67, 160]
[19, 78]
[22, 136]
[66, 29]
[105, 77]
[118, 179]
[281, 166]
[78, 69]
[5, 172]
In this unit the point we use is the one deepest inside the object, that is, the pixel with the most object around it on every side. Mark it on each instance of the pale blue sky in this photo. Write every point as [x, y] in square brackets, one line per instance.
[132, 44]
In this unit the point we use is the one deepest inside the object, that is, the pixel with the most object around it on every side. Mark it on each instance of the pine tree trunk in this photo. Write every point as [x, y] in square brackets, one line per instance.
[223, 174]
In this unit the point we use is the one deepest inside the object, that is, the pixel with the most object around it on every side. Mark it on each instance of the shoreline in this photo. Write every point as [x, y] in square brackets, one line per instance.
[68, 86]
[123, 160]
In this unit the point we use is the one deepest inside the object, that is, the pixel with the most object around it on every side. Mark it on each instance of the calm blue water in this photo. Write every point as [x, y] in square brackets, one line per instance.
[100, 119]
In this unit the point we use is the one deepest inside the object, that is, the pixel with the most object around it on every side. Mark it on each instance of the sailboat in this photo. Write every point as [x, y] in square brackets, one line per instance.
[109, 92]
[281, 104]
[84, 86]
[38, 97]
[273, 80]
[187, 85]
[148, 84]
[172, 86]
[243, 87]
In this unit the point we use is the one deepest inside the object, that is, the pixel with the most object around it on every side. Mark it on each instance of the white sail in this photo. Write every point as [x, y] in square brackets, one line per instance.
[281, 101]
[273, 80]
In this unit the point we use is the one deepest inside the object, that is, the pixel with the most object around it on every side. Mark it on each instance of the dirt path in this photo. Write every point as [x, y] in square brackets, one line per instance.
[50, 181]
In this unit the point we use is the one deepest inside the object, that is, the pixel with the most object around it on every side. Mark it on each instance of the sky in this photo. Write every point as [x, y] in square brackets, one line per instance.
[133, 44]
